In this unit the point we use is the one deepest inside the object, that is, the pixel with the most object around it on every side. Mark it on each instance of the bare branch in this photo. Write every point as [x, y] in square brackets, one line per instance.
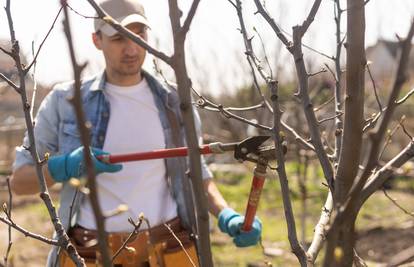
[9, 82]
[6, 52]
[264, 52]
[63, 238]
[34, 85]
[324, 104]
[331, 72]
[405, 130]
[84, 136]
[194, 193]
[181, 244]
[379, 177]
[78, 13]
[305, 25]
[44, 40]
[186, 26]
[390, 134]
[375, 87]
[402, 257]
[308, 107]
[30, 234]
[376, 138]
[358, 261]
[272, 23]
[131, 235]
[318, 72]
[204, 103]
[298, 138]
[287, 43]
[394, 201]
[8, 211]
[320, 232]
[330, 118]
[338, 81]
[290, 219]
[402, 100]
[250, 55]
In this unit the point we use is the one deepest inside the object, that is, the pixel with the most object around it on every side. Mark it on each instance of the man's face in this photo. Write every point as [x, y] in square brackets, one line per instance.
[123, 57]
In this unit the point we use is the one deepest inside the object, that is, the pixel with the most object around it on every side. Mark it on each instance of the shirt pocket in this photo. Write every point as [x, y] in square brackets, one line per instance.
[69, 138]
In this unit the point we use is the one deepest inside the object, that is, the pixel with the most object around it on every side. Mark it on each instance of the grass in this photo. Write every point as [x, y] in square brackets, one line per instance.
[235, 190]
[377, 212]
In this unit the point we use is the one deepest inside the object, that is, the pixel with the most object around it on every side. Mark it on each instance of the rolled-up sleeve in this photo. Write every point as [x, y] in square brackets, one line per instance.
[45, 132]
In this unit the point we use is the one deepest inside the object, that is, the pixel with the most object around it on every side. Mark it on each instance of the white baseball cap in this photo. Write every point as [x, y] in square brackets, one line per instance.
[123, 11]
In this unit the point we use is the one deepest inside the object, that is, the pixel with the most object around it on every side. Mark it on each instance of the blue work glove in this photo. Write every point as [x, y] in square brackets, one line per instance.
[230, 222]
[66, 166]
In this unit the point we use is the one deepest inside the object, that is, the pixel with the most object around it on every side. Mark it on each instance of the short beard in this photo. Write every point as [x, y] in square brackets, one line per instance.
[129, 72]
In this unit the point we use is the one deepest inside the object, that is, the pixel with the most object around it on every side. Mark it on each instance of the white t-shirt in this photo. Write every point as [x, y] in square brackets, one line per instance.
[134, 126]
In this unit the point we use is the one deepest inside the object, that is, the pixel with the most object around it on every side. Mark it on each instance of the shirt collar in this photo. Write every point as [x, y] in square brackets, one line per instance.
[164, 91]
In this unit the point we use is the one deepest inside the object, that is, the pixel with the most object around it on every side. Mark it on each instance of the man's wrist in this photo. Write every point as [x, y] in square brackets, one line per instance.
[224, 217]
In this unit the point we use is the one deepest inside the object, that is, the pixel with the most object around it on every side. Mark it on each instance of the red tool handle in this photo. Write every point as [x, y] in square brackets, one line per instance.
[253, 202]
[155, 154]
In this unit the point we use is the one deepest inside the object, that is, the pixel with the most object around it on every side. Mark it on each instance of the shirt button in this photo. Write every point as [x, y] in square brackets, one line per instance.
[101, 138]
[105, 114]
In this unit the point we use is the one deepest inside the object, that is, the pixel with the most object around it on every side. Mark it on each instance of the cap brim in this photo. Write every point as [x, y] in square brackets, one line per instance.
[133, 18]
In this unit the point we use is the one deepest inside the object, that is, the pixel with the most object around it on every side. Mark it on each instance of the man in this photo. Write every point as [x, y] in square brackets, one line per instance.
[129, 111]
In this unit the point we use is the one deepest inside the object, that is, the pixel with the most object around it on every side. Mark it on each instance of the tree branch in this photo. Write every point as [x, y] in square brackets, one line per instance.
[186, 26]
[84, 135]
[9, 82]
[377, 137]
[290, 219]
[8, 211]
[44, 194]
[305, 25]
[379, 177]
[181, 244]
[394, 201]
[272, 23]
[402, 100]
[27, 69]
[30, 234]
[195, 195]
[320, 232]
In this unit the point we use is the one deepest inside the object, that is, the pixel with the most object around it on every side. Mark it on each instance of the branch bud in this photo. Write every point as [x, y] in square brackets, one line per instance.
[5, 208]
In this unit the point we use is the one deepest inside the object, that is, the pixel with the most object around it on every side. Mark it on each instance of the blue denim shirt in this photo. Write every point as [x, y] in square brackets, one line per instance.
[56, 132]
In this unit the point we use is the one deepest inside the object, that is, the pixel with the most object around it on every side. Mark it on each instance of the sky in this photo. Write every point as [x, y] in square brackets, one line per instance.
[215, 56]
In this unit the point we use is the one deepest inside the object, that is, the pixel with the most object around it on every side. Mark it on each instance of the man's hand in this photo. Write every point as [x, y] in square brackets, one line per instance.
[66, 166]
[230, 222]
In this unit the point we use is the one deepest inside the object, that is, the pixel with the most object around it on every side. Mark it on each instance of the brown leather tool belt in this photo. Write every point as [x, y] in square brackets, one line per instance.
[149, 247]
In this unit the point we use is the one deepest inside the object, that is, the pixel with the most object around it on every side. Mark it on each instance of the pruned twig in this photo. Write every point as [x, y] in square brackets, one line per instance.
[130, 236]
